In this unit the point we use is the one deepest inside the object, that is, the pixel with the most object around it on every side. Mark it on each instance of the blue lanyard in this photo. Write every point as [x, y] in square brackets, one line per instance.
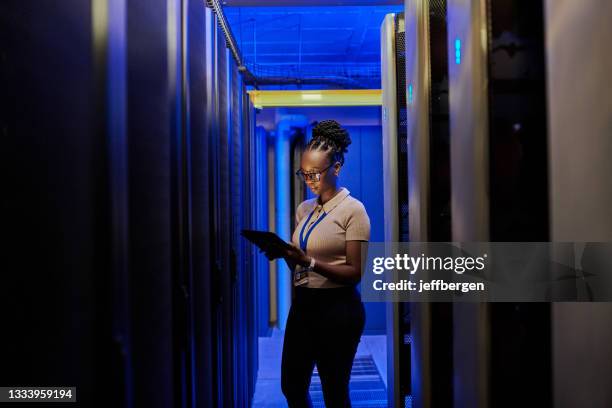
[304, 239]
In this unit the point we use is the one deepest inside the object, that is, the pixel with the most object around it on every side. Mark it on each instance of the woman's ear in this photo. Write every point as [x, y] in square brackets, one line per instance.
[337, 167]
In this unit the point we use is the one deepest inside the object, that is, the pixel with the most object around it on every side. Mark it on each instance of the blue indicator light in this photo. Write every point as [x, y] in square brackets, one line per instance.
[410, 94]
[458, 51]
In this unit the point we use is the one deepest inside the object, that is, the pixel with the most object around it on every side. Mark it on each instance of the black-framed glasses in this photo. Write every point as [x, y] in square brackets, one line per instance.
[311, 175]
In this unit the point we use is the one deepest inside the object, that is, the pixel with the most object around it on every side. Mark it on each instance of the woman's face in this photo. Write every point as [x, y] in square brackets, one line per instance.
[317, 161]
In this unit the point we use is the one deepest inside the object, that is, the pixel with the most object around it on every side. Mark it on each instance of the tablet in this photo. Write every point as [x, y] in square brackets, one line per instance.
[265, 240]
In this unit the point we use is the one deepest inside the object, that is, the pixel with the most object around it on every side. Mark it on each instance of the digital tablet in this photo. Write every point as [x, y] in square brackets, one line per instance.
[265, 240]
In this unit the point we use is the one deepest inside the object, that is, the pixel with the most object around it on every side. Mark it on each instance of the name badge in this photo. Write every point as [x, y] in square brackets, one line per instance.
[300, 278]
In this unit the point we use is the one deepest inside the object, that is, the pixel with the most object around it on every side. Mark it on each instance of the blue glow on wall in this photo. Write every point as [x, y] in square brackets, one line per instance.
[283, 210]
[457, 51]
[261, 262]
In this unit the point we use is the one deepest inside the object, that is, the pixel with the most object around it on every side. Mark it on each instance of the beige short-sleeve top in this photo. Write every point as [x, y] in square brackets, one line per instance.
[344, 218]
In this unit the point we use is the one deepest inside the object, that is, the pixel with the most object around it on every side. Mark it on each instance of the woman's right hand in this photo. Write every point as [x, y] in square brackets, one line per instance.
[272, 254]
[291, 264]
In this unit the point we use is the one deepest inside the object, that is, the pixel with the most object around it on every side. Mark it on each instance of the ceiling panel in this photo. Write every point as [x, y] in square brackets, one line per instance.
[312, 41]
[309, 3]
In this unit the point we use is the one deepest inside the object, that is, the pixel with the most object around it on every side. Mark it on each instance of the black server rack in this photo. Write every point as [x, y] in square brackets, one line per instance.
[429, 187]
[520, 337]
[199, 103]
[499, 160]
[126, 186]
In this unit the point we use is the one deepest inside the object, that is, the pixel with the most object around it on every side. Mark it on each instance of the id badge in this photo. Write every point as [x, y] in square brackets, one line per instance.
[300, 278]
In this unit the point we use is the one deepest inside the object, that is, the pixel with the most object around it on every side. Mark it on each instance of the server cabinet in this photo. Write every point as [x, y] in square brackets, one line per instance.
[468, 108]
[214, 239]
[429, 191]
[499, 187]
[234, 319]
[579, 127]
[157, 198]
[242, 252]
[56, 293]
[198, 96]
[518, 192]
[223, 312]
[395, 176]
[123, 169]
[250, 255]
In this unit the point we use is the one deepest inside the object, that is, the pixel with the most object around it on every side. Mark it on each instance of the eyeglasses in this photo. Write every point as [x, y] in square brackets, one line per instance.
[311, 176]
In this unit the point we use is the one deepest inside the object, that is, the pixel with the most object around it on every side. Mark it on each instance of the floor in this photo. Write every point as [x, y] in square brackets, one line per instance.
[368, 377]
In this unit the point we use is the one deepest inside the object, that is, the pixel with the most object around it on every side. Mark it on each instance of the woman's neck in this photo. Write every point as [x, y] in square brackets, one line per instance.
[328, 195]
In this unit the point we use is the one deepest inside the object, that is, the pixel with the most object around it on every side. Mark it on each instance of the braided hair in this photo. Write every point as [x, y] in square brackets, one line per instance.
[328, 136]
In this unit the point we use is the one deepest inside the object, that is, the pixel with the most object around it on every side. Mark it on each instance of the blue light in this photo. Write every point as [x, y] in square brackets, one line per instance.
[282, 185]
[410, 94]
[282, 151]
[457, 51]
[351, 61]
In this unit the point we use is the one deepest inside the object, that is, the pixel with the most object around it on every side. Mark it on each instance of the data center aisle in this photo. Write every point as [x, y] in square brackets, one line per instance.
[368, 378]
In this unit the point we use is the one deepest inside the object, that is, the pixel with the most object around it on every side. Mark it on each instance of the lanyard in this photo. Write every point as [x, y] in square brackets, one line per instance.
[304, 239]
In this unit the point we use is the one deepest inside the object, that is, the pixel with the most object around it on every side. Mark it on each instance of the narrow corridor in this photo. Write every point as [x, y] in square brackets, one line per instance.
[368, 378]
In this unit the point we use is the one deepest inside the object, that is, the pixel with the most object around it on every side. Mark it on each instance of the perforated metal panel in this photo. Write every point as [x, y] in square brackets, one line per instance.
[402, 136]
[439, 228]
[437, 8]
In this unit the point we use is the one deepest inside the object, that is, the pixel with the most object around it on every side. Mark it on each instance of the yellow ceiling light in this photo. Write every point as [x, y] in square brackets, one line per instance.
[327, 97]
[312, 97]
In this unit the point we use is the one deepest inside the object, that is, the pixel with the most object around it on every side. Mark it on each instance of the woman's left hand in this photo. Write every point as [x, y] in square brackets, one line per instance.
[296, 255]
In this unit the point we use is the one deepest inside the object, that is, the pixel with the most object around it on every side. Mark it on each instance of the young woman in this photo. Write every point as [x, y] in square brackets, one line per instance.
[327, 317]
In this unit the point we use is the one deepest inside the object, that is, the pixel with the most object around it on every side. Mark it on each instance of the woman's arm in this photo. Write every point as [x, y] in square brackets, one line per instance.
[348, 273]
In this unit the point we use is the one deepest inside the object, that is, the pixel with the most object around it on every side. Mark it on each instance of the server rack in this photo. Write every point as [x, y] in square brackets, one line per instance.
[469, 161]
[520, 339]
[498, 107]
[236, 341]
[429, 189]
[200, 30]
[55, 219]
[395, 175]
[124, 168]
[578, 63]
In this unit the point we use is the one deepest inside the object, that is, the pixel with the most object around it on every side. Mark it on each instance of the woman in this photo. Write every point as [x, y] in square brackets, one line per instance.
[327, 317]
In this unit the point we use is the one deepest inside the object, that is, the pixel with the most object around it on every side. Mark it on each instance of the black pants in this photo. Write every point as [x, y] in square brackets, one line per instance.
[323, 328]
